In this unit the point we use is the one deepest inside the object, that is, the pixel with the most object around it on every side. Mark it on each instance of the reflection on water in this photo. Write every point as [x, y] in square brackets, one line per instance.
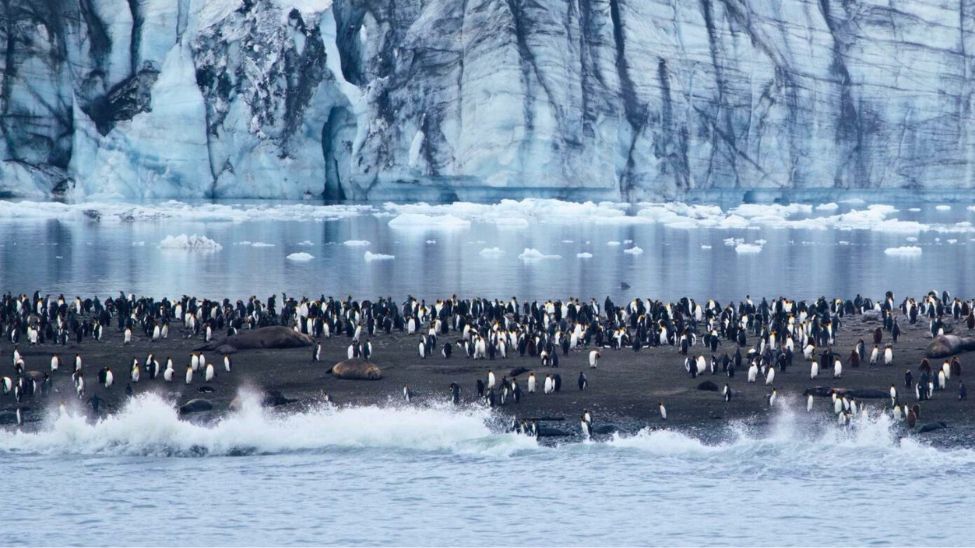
[76, 255]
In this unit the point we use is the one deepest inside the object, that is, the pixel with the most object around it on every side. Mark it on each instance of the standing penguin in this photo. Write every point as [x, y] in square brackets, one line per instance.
[893, 396]
[888, 355]
[531, 382]
[586, 424]
[209, 373]
[316, 354]
[726, 393]
[583, 381]
[227, 365]
[455, 393]
[407, 395]
[594, 359]
[663, 410]
[772, 397]
[837, 369]
[189, 374]
[491, 381]
[809, 403]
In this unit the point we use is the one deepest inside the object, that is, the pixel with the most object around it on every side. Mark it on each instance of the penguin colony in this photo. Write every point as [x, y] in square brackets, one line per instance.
[707, 339]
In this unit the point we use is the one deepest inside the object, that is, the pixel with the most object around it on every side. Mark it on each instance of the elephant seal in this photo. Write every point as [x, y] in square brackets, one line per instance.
[948, 345]
[276, 336]
[517, 371]
[195, 406]
[859, 393]
[356, 369]
[932, 426]
[708, 386]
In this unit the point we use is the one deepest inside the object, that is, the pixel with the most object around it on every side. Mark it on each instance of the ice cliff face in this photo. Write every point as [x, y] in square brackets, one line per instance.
[421, 99]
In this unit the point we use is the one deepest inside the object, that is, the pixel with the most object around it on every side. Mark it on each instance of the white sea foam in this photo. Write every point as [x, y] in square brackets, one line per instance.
[149, 425]
[370, 257]
[300, 257]
[903, 251]
[192, 242]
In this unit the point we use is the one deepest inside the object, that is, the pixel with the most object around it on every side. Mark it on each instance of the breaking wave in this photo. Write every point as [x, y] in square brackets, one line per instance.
[150, 425]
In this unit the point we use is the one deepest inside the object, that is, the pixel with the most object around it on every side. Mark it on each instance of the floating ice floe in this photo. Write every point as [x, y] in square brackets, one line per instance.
[300, 257]
[831, 206]
[903, 251]
[305, 243]
[705, 246]
[431, 242]
[369, 257]
[532, 254]
[492, 252]
[748, 249]
[356, 243]
[410, 221]
[138, 244]
[193, 242]
[584, 255]
[613, 243]
[173, 210]
[943, 207]
[635, 250]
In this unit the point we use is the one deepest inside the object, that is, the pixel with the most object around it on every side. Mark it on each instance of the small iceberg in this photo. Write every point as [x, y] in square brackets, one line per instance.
[532, 254]
[192, 242]
[300, 257]
[748, 249]
[903, 251]
[369, 257]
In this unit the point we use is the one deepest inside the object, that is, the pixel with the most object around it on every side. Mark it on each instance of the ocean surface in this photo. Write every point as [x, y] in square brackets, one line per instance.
[440, 476]
[532, 249]
[432, 476]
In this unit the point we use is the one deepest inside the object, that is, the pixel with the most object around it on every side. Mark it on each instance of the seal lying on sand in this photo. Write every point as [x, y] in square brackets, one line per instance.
[277, 336]
[357, 369]
[948, 345]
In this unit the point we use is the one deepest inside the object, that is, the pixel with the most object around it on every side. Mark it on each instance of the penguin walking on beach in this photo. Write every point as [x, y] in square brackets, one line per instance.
[491, 380]
[227, 363]
[446, 350]
[893, 396]
[837, 369]
[209, 373]
[888, 355]
[455, 393]
[531, 382]
[813, 369]
[407, 394]
[663, 410]
[772, 397]
[316, 354]
[189, 374]
[726, 393]
[594, 359]
[809, 403]
[583, 381]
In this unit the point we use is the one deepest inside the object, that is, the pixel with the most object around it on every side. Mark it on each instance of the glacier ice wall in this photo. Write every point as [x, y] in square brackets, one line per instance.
[472, 99]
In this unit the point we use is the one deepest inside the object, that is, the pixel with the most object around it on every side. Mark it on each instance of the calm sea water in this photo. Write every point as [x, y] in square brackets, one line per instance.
[430, 476]
[471, 250]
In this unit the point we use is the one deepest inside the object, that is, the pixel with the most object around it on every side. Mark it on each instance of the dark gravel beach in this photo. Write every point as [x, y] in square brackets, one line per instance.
[622, 393]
